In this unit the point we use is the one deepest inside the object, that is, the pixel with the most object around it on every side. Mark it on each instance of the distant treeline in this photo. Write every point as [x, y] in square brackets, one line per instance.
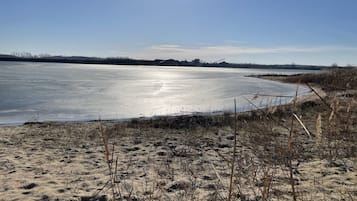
[156, 62]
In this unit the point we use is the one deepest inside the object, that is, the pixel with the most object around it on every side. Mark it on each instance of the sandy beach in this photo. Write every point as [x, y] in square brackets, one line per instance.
[190, 157]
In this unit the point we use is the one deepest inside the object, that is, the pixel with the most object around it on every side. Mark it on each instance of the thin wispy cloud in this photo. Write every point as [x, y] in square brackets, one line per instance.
[166, 51]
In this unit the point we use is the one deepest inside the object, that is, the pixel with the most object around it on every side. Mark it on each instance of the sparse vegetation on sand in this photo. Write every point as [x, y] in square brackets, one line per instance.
[306, 150]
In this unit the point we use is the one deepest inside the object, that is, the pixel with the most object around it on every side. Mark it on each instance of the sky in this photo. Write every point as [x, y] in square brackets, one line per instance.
[319, 32]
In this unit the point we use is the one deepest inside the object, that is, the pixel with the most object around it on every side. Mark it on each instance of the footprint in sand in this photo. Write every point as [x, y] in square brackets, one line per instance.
[29, 186]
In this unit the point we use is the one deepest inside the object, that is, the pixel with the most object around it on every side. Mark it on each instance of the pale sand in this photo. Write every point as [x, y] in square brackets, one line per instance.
[65, 161]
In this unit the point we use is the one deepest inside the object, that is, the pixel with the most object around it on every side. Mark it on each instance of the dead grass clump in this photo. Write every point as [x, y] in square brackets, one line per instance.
[337, 79]
[183, 122]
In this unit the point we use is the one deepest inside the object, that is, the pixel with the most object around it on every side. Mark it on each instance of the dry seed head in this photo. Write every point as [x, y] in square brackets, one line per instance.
[331, 116]
[337, 104]
[270, 110]
[105, 141]
[356, 167]
[349, 107]
[318, 129]
[334, 106]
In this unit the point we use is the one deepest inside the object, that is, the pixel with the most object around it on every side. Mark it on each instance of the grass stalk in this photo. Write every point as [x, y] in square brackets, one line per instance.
[108, 160]
[234, 152]
[290, 148]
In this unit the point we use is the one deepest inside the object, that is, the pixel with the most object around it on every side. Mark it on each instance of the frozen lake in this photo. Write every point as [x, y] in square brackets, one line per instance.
[70, 92]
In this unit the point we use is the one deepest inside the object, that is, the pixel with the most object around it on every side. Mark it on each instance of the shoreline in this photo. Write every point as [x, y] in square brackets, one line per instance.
[188, 115]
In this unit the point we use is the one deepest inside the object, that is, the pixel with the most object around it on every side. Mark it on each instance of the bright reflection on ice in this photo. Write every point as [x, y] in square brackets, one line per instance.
[45, 91]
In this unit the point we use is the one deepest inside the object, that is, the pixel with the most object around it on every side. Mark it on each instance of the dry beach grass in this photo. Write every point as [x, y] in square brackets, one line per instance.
[301, 151]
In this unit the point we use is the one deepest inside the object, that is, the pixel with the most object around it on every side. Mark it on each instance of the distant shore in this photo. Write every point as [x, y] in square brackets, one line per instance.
[156, 62]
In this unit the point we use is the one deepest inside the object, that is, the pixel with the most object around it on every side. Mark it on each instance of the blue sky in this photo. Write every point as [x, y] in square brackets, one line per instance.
[256, 31]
